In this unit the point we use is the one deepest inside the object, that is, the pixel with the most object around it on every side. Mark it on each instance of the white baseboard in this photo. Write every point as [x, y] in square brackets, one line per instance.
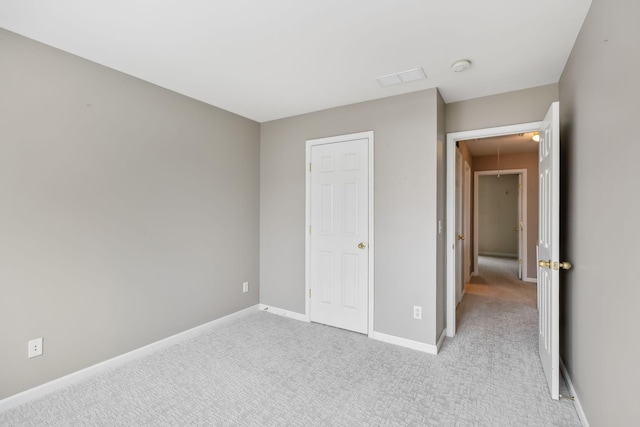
[572, 390]
[530, 280]
[283, 312]
[391, 339]
[404, 342]
[114, 362]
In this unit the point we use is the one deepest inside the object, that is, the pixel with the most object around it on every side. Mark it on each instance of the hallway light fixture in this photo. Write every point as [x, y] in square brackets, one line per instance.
[536, 136]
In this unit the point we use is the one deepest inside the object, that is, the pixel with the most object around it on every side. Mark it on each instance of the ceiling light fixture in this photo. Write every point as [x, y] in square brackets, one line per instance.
[460, 65]
[402, 77]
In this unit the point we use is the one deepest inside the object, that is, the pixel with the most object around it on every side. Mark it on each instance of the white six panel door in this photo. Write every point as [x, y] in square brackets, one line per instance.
[339, 235]
[548, 248]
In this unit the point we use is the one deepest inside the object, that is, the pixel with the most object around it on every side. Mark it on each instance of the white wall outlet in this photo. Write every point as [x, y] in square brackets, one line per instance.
[417, 312]
[35, 348]
[245, 287]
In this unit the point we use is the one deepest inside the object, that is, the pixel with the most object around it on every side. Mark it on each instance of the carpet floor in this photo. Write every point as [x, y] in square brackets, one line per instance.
[266, 370]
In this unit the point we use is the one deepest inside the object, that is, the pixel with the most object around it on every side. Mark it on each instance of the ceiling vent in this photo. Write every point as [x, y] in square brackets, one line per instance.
[402, 77]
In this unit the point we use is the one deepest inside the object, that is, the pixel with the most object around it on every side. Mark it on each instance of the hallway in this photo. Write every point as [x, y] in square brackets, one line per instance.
[498, 278]
[497, 323]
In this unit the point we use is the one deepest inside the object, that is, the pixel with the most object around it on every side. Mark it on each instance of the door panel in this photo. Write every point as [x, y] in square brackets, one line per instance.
[467, 225]
[338, 269]
[548, 248]
[459, 228]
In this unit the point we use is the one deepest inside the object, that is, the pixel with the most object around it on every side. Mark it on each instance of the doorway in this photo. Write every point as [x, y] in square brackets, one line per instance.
[455, 262]
[500, 217]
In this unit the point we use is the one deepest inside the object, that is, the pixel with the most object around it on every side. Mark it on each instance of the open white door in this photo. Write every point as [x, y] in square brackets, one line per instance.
[459, 228]
[466, 214]
[549, 248]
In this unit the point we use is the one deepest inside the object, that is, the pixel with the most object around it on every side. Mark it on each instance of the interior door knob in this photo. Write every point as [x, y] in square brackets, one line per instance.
[544, 264]
[460, 237]
[361, 245]
[565, 265]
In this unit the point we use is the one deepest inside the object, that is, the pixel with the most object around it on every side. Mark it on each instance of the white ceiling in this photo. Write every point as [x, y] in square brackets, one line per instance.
[272, 59]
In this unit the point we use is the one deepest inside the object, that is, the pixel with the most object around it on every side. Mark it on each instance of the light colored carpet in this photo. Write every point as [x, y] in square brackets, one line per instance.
[266, 370]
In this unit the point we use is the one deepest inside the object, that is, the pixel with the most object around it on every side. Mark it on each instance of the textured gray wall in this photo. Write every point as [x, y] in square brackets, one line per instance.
[521, 106]
[599, 117]
[405, 177]
[129, 213]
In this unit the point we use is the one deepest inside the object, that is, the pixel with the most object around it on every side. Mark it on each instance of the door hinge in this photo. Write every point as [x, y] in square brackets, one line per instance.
[309, 229]
[309, 167]
[309, 293]
[520, 186]
[520, 261]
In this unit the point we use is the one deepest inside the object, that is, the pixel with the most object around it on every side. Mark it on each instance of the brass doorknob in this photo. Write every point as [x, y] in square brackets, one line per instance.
[555, 265]
[565, 265]
[544, 264]
[361, 245]
[460, 237]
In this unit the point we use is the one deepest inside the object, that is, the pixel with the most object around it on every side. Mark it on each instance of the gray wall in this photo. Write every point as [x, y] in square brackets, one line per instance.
[129, 213]
[521, 106]
[498, 215]
[599, 94]
[406, 156]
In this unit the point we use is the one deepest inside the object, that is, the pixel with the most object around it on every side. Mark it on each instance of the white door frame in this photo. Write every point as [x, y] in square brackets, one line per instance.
[452, 139]
[522, 236]
[307, 239]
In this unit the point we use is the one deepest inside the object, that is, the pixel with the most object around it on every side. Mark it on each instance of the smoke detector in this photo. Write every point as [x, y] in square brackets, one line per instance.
[460, 65]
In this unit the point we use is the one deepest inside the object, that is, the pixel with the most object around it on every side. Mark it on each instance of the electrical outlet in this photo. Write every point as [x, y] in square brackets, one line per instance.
[245, 287]
[35, 348]
[417, 312]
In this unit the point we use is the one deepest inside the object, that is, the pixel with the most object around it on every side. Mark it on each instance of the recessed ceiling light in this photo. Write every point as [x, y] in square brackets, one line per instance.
[460, 65]
[402, 77]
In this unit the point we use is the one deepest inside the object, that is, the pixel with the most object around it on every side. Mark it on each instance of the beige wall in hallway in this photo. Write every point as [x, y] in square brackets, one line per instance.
[528, 161]
[498, 215]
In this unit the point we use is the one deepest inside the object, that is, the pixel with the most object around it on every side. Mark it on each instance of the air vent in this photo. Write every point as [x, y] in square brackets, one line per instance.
[402, 77]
